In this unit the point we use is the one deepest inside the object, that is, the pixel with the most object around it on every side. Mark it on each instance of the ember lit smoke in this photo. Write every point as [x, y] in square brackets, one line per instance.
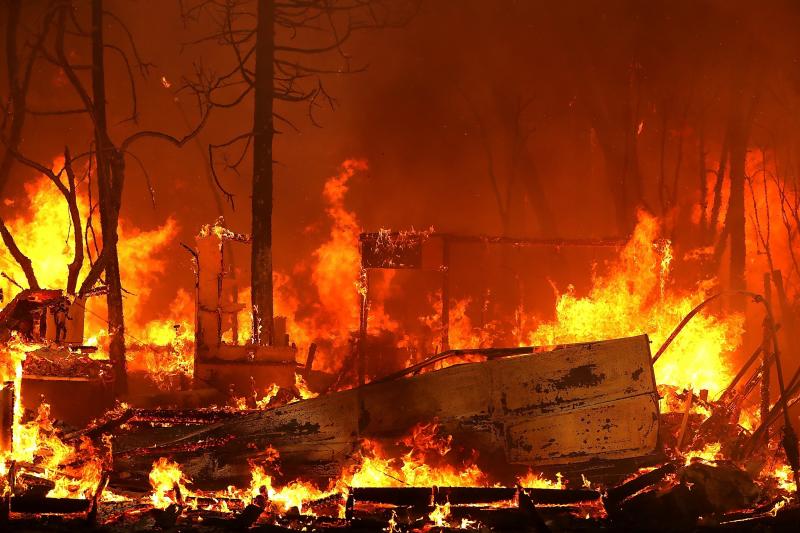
[568, 178]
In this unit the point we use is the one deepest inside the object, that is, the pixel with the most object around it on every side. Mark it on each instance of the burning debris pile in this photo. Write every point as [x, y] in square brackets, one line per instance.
[565, 429]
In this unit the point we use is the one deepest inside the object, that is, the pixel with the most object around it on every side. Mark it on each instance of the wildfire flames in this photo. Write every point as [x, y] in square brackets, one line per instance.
[636, 293]
[635, 296]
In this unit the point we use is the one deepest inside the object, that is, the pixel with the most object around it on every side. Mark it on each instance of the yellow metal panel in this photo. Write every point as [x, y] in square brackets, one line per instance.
[616, 430]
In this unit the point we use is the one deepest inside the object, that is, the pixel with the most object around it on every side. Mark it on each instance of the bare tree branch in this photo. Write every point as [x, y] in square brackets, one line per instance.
[22, 260]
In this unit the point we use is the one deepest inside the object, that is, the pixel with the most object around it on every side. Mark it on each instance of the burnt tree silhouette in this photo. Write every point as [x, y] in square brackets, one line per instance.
[110, 155]
[70, 193]
[271, 68]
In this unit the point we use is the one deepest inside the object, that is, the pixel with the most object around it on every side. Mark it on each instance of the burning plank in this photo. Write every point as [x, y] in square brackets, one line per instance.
[572, 406]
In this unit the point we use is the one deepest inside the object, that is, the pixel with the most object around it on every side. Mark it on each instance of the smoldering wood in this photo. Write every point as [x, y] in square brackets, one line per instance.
[473, 495]
[6, 415]
[579, 406]
[430, 496]
[26, 504]
[618, 494]
[562, 496]
[399, 496]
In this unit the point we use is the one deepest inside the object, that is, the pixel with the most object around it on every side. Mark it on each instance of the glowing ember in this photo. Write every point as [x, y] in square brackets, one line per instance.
[440, 515]
[531, 480]
[166, 479]
[37, 447]
[709, 454]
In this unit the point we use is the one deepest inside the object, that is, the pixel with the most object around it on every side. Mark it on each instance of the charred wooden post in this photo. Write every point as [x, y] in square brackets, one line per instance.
[363, 320]
[445, 295]
[312, 352]
[209, 273]
[349, 506]
[220, 364]
[26, 504]
[7, 398]
[687, 410]
[420, 497]
[91, 516]
[527, 506]
[473, 495]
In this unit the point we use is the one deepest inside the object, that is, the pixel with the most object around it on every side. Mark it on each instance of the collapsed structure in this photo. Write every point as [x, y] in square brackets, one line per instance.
[589, 415]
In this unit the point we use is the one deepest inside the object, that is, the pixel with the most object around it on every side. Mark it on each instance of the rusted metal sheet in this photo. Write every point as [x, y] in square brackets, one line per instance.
[578, 404]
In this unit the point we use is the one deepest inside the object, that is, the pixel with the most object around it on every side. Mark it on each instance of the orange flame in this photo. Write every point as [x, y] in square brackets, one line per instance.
[632, 299]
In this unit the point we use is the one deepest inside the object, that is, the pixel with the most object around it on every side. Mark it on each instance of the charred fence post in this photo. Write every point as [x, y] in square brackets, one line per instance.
[445, 294]
[6, 444]
[349, 506]
[362, 327]
[7, 398]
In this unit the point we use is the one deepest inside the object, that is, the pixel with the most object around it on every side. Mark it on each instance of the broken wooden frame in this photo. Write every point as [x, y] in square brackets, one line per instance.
[219, 364]
[403, 250]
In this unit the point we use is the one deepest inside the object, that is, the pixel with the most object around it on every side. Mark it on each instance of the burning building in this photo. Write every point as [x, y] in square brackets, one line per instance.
[539, 270]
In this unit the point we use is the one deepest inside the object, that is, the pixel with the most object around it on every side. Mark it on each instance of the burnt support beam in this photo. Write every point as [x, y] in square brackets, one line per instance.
[445, 295]
[7, 416]
[614, 497]
[362, 327]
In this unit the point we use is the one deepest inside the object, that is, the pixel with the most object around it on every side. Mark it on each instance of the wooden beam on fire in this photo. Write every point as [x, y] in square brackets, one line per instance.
[615, 496]
[25, 504]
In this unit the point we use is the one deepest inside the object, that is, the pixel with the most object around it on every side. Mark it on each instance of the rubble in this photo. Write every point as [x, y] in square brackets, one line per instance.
[574, 437]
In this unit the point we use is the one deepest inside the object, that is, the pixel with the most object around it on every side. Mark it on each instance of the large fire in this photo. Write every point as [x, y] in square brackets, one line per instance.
[635, 296]
[635, 293]
[37, 448]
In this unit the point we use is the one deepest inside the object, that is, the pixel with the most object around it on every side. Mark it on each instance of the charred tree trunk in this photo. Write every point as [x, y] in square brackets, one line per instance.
[261, 265]
[22, 260]
[16, 91]
[70, 195]
[543, 210]
[110, 173]
[624, 178]
[736, 216]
